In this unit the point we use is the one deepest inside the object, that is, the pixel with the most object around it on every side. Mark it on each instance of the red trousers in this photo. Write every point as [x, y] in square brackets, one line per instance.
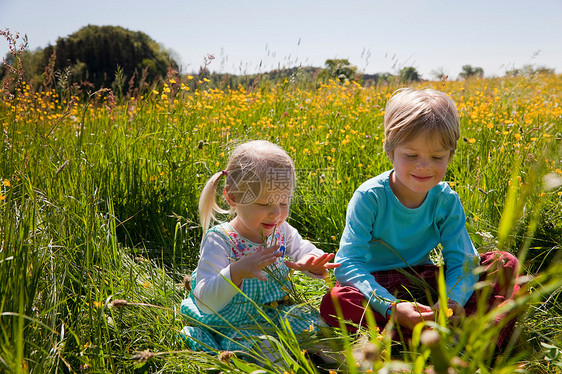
[501, 269]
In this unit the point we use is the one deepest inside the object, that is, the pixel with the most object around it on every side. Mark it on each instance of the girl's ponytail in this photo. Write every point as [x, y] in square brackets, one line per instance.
[208, 206]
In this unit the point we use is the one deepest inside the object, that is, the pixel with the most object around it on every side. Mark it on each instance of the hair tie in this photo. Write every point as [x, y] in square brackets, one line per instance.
[223, 173]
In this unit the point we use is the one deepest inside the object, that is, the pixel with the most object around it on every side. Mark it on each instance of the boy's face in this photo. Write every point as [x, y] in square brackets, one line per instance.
[419, 165]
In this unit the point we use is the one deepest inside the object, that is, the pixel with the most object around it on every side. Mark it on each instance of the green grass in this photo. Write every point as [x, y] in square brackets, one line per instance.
[99, 203]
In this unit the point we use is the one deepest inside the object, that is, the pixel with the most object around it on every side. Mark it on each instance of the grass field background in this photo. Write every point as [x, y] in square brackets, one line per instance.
[99, 193]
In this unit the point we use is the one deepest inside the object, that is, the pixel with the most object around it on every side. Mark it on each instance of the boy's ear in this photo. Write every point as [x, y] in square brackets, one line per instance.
[390, 155]
[229, 197]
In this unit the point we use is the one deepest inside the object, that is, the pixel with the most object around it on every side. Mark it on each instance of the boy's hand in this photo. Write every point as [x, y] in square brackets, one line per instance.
[313, 264]
[410, 314]
[456, 308]
[252, 265]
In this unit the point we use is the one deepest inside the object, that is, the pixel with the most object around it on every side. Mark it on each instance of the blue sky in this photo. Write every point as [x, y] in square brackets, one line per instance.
[256, 36]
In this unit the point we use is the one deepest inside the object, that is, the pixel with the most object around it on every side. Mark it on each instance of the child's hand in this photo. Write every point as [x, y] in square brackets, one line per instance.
[456, 308]
[410, 314]
[252, 265]
[315, 265]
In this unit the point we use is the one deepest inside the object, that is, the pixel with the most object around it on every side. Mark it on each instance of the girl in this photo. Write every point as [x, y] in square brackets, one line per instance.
[249, 254]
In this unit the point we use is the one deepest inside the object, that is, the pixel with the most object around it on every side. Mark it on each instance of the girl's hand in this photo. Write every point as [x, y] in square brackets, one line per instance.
[313, 264]
[252, 265]
[410, 314]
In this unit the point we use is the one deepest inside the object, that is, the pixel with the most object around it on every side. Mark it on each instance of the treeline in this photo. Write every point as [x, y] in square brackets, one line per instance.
[130, 62]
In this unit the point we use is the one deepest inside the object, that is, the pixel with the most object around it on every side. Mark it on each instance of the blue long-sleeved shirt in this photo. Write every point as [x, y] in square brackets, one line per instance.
[375, 216]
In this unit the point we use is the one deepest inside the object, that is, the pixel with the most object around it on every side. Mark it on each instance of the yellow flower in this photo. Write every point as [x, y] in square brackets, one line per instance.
[155, 92]
[172, 81]
[472, 140]
[6, 183]
[449, 312]
[2, 196]
[97, 304]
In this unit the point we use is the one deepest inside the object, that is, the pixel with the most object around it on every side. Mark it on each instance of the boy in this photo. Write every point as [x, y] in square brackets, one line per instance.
[395, 220]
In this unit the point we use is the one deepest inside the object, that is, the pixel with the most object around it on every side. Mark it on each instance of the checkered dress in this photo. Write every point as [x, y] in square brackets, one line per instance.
[239, 324]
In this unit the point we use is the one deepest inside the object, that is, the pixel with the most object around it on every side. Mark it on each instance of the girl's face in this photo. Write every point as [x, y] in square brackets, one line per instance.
[419, 165]
[260, 217]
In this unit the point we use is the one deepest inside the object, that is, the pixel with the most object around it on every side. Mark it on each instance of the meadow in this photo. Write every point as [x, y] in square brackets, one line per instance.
[99, 223]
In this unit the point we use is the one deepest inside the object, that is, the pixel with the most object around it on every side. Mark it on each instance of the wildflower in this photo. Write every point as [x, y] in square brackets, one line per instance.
[97, 304]
[62, 167]
[172, 81]
[226, 356]
[6, 183]
[2, 196]
[142, 356]
[471, 140]
[119, 303]
[155, 92]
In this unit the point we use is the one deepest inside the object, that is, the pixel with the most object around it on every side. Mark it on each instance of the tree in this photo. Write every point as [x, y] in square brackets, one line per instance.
[95, 53]
[439, 74]
[339, 69]
[468, 72]
[529, 70]
[409, 74]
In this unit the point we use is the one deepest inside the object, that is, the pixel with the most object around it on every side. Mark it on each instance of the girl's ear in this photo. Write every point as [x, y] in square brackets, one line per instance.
[229, 197]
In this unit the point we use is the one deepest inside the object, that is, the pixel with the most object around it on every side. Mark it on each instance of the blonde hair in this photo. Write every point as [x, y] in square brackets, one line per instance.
[252, 167]
[410, 113]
